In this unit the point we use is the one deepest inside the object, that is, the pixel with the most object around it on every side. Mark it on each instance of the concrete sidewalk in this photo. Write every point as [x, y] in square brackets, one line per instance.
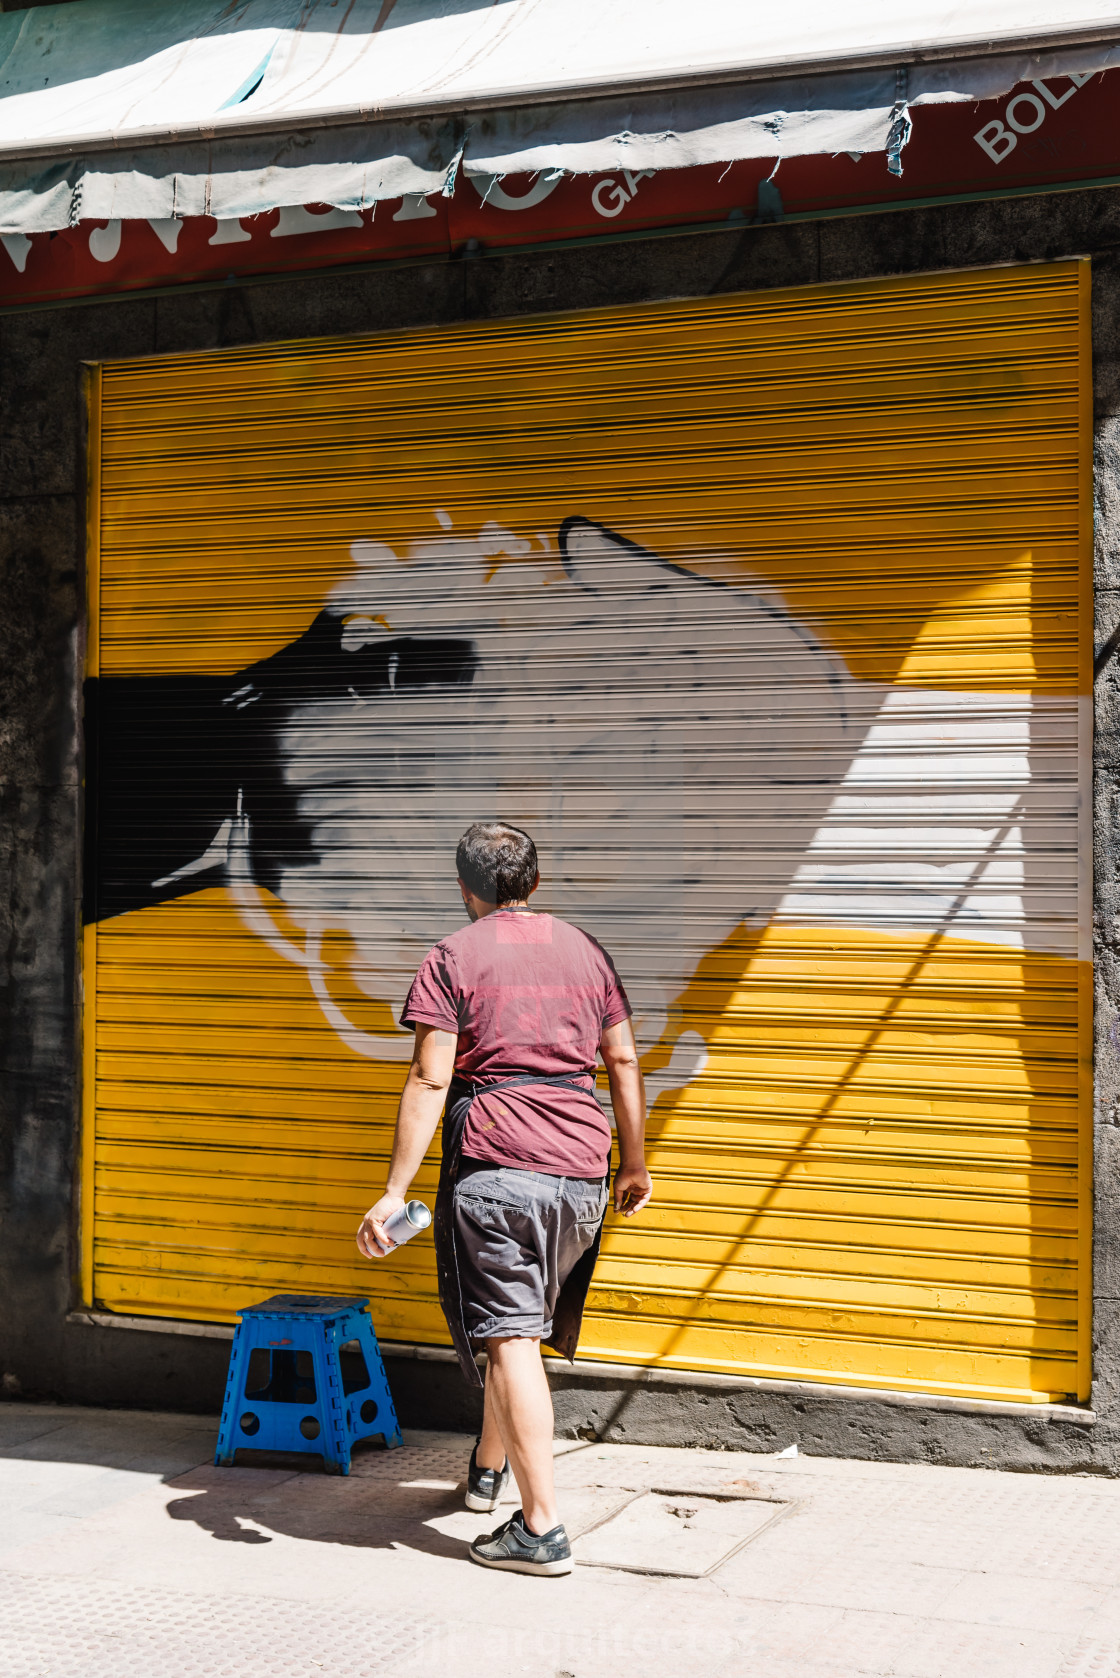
[124, 1553]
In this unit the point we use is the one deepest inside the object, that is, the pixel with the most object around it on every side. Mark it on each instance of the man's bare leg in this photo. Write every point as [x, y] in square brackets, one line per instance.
[518, 1391]
[490, 1451]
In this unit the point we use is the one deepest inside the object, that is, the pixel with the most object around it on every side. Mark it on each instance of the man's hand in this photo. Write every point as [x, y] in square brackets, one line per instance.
[633, 1187]
[372, 1239]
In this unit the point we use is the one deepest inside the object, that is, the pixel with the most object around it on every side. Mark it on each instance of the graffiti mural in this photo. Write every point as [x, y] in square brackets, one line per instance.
[768, 629]
[637, 718]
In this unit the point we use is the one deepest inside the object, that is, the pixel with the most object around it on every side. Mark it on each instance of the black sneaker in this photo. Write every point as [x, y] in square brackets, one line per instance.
[485, 1485]
[517, 1550]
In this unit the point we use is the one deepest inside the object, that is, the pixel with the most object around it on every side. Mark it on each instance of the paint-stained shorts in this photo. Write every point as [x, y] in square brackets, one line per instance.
[518, 1236]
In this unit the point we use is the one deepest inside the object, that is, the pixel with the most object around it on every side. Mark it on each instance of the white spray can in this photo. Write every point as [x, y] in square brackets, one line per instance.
[412, 1217]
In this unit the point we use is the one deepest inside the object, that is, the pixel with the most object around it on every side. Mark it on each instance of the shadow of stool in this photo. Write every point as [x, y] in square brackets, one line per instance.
[305, 1374]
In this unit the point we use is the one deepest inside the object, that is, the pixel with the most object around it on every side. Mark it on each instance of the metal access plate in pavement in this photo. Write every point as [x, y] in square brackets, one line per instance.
[680, 1533]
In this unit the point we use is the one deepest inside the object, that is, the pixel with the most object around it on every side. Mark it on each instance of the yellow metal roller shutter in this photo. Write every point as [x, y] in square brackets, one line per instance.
[767, 615]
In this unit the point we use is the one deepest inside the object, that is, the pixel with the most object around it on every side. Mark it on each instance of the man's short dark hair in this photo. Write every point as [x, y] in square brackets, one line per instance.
[497, 862]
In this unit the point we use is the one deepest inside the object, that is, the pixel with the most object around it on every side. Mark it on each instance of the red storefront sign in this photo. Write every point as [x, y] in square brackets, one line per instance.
[1057, 132]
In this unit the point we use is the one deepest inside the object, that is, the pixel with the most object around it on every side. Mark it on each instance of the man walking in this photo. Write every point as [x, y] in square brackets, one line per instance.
[509, 1013]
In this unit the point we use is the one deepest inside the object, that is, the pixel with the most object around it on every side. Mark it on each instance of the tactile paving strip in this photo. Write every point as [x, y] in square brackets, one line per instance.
[1091, 1659]
[70, 1628]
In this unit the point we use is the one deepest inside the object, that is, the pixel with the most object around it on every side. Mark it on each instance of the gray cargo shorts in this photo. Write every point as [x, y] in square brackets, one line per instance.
[518, 1236]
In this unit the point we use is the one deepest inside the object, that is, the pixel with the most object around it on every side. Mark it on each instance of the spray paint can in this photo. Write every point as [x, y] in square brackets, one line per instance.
[412, 1217]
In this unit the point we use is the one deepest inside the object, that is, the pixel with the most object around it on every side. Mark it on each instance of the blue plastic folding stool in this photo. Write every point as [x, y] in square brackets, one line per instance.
[285, 1402]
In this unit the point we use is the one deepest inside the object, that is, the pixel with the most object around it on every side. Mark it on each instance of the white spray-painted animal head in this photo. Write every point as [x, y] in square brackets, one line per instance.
[639, 720]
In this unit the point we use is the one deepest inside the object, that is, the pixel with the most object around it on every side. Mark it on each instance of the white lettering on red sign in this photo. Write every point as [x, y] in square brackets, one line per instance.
[294, 218]
[415, 207]
[228, 231]
[610, 199]
[491, 191]
[105, 242]
[1024, 113]
[18, 247]
[167, 231]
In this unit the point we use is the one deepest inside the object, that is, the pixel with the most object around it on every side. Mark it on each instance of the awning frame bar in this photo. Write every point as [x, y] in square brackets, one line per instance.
[929, 52]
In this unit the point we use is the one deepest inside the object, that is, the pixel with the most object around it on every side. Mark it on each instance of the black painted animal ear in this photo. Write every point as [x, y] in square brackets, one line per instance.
[601, 561]
[333, 658]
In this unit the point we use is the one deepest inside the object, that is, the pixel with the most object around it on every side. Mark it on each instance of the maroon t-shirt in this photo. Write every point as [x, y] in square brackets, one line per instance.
[525, 993]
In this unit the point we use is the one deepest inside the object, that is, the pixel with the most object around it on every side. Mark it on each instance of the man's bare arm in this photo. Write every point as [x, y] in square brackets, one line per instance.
[422, 1099]
[632, 1185]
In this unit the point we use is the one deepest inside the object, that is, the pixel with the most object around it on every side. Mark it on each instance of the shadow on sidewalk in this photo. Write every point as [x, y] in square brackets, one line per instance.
[378, 1509]
[387, 1501]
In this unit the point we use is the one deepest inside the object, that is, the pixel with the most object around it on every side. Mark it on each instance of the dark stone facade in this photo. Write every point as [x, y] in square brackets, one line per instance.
[42, 558]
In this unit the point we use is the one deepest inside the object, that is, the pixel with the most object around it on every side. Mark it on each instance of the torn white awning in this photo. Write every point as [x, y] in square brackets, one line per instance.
[122, 109]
